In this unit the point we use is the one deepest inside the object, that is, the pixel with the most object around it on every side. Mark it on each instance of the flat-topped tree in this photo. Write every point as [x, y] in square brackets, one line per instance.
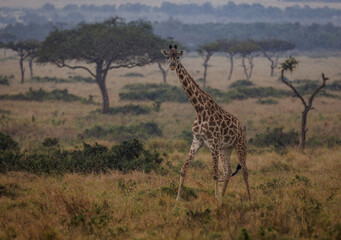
[247, 50]
[206, 51]
[227, 47]
[25, 49]
[289, 65]
[100, 47]
[273, 49]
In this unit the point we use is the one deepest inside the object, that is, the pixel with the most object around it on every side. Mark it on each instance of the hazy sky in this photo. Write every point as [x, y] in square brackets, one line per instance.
[61, 3]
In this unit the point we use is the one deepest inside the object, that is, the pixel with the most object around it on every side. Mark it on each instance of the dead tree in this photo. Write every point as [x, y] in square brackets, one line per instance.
[290, 64]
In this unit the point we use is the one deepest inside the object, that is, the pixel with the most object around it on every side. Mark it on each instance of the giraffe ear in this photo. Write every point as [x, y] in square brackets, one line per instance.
[164, 52]
[181, 53]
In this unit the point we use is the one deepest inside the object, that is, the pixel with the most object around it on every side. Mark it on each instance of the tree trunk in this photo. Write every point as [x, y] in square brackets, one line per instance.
[164, 73]
[303, 128]
[205, 74]
[105, 96]
[231, 68]
[30, 65]
[245, 69]
[272, 67]
[21, 63]
[250, 58]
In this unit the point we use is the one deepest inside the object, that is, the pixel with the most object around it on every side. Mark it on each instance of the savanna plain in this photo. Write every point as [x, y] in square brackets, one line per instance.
[295, 194]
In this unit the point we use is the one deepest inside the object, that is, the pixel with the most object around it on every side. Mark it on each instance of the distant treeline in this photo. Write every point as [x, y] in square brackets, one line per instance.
[305, 37]
[190, 13]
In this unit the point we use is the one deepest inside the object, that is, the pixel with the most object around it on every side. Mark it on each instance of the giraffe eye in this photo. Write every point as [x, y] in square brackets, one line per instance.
[167, 57]
[177, 57]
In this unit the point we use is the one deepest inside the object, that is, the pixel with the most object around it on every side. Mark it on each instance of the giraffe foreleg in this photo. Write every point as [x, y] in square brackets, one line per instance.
[196, 145]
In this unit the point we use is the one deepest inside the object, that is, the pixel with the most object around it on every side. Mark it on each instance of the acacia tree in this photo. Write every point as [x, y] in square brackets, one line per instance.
[6, 38]
[273, 49]
[247, 50]
[109, 45]
[226, 46]
[290, 64]
[206, 51]
[25, 49]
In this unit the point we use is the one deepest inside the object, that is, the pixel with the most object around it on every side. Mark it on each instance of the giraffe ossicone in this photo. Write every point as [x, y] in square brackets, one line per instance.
[214, 127]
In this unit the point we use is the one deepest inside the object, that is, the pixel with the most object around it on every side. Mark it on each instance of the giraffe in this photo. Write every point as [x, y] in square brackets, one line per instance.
[214, 127]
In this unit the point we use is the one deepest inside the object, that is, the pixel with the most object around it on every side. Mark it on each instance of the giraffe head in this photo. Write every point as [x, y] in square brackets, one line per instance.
[173, 55]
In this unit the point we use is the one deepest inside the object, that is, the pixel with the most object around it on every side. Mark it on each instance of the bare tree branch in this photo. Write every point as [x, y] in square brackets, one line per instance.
[323, 84]
[289, 84]
[75, 67]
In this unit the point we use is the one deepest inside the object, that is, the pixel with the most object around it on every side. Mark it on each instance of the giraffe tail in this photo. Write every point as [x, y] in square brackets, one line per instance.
[237, 169]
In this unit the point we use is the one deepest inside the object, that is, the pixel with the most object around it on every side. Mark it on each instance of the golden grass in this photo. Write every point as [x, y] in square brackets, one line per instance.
[294, 195]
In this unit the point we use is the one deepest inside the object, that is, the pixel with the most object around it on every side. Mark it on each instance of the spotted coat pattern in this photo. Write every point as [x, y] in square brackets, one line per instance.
[214, 127]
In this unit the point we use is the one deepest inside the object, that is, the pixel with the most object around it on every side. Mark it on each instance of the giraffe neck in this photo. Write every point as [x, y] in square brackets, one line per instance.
[200, 100]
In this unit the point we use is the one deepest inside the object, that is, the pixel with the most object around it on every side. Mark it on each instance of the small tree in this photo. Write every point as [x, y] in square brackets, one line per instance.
[290, 64]
[273, 49]
[226, 46]
[247, 50]
[6, 38]
[109, 45]
[206, 51]
[25, 49]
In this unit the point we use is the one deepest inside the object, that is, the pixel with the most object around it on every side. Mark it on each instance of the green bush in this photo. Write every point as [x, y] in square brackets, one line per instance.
[128, 109]
[187, 192]
[133, 74]
[50, 142]
[121, 133]
[153, 92]
[4, 79]
[71, 79]
[307, 87]
[266, 101]
[128, 156]
[256, 92]
[335, 86]
[276, 138]
[323, 140]
[42, 95]
[7, 143]
[241, 83]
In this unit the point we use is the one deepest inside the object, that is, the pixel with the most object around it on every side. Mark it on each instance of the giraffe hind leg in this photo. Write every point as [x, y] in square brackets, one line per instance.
[241, 148]
[225, 155]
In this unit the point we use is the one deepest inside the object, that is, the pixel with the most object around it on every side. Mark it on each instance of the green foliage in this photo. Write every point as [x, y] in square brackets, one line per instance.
[125, 157]
[120, 133]
[153, 92]
[128, 109]
[42, 95]
[50, 142]
[241, 83]
[266, 101]
[256, 92]
[7, 143]
[289, 64]
[187, 192]
[323, 140]
[133, 74]
[4, 79]
[199, 216]
[276, 138]
[334, 86]
[71, 79]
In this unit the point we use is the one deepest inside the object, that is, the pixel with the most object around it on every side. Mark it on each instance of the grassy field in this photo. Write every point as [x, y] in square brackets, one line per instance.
[295, 195]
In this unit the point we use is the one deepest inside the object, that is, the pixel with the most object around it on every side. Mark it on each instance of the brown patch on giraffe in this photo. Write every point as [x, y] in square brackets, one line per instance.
[194, 100]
